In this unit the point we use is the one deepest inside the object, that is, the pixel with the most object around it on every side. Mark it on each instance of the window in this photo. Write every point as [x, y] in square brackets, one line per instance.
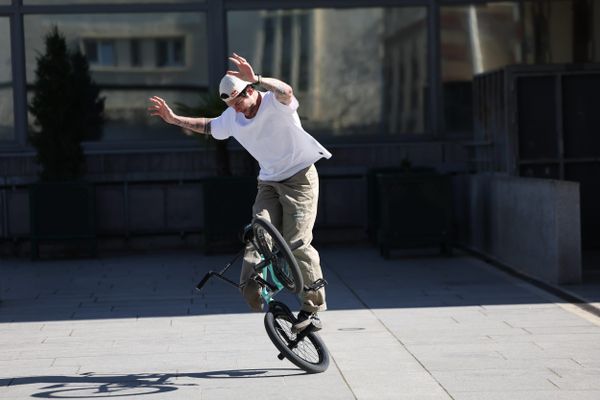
[170, 52]
[344, 65]
[553, 36]
[484, 37]
[123, 51]
[474, 39]
[135, 52]
[100, 52]
[7, 132]
[268, 45]
[286, 48]
[305, 32]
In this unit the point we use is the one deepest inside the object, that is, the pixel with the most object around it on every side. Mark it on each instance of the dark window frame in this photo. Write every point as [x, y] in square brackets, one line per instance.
[217, 32]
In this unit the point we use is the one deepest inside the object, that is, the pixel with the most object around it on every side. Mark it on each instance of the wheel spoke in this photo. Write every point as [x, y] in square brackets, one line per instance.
[271, 251]
[273, 248]
[303, 348]
[284, 332]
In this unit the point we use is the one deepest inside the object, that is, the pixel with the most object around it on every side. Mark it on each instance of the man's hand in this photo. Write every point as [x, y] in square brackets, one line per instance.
[283, 92]
[190, 125]
[245, 71]
[160, 108]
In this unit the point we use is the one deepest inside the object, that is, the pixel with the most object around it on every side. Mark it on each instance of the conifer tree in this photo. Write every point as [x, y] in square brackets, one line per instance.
[67, 109]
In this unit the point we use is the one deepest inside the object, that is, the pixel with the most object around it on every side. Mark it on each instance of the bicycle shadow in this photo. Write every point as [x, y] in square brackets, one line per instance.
[91, 385]
[246, 373]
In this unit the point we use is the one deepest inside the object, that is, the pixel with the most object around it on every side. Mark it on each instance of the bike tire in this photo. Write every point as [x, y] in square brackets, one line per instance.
[284, 263]
[309, 354]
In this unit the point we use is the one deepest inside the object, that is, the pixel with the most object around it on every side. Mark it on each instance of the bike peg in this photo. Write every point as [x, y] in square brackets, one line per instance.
[296, 245]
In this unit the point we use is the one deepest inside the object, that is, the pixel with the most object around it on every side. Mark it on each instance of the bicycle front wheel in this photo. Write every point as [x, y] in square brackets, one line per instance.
[274, 248]
[305, 350]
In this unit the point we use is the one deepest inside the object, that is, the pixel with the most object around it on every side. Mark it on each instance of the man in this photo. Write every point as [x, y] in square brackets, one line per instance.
[267, 125]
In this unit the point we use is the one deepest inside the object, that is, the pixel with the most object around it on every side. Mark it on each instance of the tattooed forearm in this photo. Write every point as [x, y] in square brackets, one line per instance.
[193, 126]
[200, 125]
[283, 92]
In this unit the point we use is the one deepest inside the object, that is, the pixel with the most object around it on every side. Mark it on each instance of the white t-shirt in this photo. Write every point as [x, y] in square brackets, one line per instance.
[274, 137]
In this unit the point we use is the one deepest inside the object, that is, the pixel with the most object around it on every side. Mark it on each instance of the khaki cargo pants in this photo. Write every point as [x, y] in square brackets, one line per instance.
[291, 206]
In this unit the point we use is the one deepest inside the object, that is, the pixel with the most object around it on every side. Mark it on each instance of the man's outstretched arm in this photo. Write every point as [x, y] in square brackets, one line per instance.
[161, 108]
[283, 92]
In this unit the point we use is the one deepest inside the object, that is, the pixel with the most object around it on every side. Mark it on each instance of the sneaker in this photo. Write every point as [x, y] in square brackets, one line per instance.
[307, 319]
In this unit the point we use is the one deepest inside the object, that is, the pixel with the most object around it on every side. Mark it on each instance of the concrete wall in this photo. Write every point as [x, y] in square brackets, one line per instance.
[530, 225]
[140, 194]
[136, 208]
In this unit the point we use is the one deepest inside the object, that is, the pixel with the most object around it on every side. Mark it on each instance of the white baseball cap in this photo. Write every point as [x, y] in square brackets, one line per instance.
[230, 87]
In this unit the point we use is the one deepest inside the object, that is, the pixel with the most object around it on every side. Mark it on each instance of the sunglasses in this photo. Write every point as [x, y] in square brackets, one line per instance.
[225, 96]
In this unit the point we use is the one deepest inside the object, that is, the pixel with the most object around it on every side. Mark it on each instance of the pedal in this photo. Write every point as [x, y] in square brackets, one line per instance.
[316, 285]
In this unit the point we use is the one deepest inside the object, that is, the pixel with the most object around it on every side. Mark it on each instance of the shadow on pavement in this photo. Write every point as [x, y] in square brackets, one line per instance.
[91, 385]
[163, 285]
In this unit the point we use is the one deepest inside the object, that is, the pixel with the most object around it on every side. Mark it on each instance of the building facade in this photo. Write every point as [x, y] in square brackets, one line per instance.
[379, 81]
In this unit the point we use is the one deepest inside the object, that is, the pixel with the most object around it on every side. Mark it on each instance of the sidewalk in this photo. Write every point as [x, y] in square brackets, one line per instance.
[132, 327]
[589, 290]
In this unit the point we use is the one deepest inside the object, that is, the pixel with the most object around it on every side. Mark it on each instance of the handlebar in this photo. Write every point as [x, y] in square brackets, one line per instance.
[204, 280]
[210, 274]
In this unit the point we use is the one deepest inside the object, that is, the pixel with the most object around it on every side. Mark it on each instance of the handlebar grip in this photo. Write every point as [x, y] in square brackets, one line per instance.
[200, 285]
[296, 245]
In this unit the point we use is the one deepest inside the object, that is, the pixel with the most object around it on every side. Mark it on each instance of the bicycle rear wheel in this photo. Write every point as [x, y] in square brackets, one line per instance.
[274, 248]
[306, 350]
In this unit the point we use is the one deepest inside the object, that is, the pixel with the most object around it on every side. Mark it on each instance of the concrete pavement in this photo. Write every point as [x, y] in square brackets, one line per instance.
[131, 326]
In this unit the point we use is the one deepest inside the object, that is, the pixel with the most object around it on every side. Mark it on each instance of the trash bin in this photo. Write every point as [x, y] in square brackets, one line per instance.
[227, 209]
[373, 200]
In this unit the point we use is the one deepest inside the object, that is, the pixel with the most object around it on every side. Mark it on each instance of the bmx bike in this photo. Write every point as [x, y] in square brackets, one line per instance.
[276, 271]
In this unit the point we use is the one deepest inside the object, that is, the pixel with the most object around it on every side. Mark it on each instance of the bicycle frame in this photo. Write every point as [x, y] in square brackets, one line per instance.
[266, 294]
[264, 271]
[268, 289]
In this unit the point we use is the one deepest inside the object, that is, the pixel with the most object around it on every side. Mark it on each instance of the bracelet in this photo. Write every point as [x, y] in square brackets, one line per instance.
[258, 78]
